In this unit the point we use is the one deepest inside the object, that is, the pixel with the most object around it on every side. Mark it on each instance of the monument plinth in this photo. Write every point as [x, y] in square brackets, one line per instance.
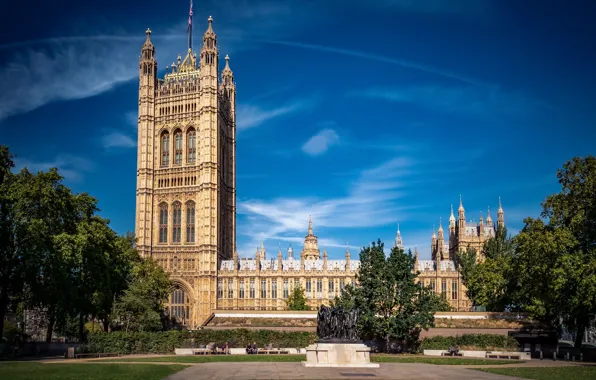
[338, 344]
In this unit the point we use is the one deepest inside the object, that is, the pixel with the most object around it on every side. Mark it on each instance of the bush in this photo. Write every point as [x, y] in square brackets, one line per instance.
[480, 342]
[165, 342]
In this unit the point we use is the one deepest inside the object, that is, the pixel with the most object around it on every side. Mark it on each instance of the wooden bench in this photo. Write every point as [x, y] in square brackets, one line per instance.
[272, 352]
[504, 356]
[97, 355]
[447, 353]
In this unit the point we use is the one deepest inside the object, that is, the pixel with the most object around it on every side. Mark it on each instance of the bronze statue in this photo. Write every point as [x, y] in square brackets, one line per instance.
[337, 325]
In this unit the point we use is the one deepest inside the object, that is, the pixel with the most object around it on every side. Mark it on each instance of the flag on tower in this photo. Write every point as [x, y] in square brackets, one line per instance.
[190, 15]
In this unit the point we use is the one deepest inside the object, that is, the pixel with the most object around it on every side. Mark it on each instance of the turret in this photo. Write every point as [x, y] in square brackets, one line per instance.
[451, 222]
[441, 240]
[500, 215]
[461, 218]
[280, 259]
[347, 257]
[146, 138]
[398, 240]
[311, 245]
[415, 259]
[290, 252]
[489, 220]
[433, 243]
[325, 259]
[481, 225]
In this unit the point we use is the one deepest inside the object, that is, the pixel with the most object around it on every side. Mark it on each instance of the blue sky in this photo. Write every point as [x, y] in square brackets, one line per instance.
[364, 114]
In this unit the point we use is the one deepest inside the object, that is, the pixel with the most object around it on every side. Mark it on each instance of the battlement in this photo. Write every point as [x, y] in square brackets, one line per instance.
[289, 265]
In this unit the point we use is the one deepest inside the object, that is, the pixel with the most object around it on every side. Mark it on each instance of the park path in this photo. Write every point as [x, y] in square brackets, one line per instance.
[402, 371]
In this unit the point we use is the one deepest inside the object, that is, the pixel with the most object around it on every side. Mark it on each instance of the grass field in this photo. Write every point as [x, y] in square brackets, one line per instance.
[547, 373]
[28, 371]
[299, 358]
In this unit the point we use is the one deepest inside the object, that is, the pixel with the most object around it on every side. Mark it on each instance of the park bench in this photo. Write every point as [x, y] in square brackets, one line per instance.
[503, 356]
[97, 355]
[452, 351]
[272, 351]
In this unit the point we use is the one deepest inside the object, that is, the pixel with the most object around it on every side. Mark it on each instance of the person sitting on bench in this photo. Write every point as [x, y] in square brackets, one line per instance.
[251, 348]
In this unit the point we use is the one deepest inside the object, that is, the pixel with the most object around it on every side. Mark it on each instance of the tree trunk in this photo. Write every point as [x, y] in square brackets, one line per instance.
[106, 324]
[579, 335]
[81, 328]
[387, 345]
[51, 321]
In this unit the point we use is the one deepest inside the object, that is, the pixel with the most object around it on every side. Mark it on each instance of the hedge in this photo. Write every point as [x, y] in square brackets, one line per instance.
[165, 342]
[489, 342]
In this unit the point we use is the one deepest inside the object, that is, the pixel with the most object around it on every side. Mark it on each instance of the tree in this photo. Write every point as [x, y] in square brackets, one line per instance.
[556, 255]
[140, 308]
[297, 299]
[392, 304]
[489, 279]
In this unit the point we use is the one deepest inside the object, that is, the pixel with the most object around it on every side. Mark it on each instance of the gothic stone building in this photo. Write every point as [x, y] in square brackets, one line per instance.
[186, 202]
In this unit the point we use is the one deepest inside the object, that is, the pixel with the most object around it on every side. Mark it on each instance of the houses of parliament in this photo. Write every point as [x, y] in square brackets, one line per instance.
[186, 203]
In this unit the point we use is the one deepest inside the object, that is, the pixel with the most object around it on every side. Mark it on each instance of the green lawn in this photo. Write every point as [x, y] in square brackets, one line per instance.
[79, 371]
[299, 358]
[547, 373]
[211, 359]
[438, 361]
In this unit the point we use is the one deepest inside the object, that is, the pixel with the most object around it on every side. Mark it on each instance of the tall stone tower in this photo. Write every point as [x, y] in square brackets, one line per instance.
[186, 176]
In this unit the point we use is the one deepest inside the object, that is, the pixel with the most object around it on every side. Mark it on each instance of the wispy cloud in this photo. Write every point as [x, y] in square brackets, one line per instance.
[380, 58]
[463, 100]
[132, 119]
[321, 142]
[370, 202]
[43, 71]
[69, 166]
[117, 140]
[250, 116]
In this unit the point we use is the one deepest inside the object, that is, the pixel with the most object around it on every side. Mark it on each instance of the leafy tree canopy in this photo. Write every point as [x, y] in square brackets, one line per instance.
[392, 303]
[297, 300]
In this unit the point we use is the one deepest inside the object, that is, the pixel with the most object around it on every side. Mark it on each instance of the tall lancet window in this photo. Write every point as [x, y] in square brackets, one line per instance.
[165, 149]
[178, 147]
[190, 222]
[163, 223]
[191, 143]
[176, 222]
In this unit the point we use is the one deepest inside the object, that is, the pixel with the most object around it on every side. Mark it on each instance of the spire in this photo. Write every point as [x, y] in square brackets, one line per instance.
[398, 240]
[209, 52]
[489, 220]
[310, 225]
[461, 204]
[500, 215]
[481, 219]
[440, 225]
[434, 233]
[451, 216]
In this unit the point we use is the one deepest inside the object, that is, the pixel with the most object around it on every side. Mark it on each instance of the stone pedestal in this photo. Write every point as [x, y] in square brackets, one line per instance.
[348, 355]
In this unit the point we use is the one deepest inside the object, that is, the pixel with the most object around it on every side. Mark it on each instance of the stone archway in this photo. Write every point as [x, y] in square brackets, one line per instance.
[180, 304]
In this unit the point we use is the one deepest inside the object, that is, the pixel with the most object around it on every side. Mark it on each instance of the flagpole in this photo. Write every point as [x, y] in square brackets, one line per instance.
[190, 28]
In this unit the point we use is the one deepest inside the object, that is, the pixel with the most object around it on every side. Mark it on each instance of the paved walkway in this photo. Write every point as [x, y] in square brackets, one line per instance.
[236, 371]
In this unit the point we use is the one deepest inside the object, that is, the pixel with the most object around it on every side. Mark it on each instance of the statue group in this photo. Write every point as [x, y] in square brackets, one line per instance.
[337, 325]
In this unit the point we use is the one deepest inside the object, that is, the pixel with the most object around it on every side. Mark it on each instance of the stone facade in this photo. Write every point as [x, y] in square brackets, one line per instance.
[186, 182]
[441, 272]
[262, 283]
[186, 203]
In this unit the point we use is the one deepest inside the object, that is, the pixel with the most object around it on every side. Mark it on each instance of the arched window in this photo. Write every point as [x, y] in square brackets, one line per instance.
[163, 223]
[179, 305]
[176, 222]
[178, 147]
[190, 222]
[191, 144]
[165, 149]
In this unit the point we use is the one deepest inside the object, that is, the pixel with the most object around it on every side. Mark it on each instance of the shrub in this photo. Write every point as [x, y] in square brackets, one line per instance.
[164, 342]
[481, 342]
